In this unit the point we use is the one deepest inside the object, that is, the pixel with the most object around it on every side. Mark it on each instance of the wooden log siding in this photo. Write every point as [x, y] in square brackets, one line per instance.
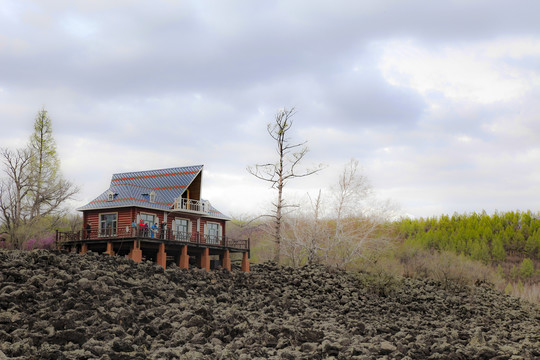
[126, 216]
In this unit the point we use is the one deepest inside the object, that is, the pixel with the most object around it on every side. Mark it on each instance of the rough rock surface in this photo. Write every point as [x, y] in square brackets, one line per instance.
[68, 306]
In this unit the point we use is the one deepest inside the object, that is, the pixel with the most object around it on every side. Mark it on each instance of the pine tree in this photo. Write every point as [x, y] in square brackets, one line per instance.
[497, 249]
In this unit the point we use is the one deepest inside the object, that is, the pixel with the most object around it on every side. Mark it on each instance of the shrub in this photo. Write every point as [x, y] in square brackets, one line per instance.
[46, 243]
[446, 267]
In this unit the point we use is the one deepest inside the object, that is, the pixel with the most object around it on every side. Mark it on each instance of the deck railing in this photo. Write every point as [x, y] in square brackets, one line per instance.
[192, 205]
[158, 234]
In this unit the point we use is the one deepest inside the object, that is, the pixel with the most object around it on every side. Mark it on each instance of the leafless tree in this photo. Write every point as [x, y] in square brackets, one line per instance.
[14, 190]
[306, 233]
[286, 168]
[352, 228]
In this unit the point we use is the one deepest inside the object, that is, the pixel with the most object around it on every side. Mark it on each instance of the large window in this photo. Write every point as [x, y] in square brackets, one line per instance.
[212, 233]
[148, 219]
[181, 226]
[107, 224]
[182, 230]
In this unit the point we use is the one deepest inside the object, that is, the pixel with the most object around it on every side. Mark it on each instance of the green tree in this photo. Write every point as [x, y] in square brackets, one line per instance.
[530, 246]
[526, 270]
[497, 249]
[44, 163]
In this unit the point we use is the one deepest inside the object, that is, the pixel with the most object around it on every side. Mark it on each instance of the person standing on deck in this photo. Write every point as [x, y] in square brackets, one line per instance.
[141, 227]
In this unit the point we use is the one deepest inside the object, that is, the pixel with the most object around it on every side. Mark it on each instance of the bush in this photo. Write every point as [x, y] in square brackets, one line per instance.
[43, 243]
[446, 267]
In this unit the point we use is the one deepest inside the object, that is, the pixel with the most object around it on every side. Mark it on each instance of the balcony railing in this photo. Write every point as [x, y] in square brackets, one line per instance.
[158, 234]
[192, 205]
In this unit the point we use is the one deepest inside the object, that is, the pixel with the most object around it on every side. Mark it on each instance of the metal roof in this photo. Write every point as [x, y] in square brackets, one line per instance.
[134, 189]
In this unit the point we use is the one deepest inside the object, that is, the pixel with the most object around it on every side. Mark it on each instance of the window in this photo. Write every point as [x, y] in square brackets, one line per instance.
[111, 196]
[107, 224]
[182, 229]
[152, 197]
[148, 218]
[212, 233]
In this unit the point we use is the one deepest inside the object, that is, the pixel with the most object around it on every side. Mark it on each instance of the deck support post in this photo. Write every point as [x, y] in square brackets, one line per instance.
[245, 262]
[184, 258]
[109, 250]
[84, 248]
[205, 259]
[162, 256]
[226, 262]
[136, 253]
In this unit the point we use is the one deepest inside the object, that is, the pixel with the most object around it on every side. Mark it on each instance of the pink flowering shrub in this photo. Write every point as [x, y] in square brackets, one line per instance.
[43, 243]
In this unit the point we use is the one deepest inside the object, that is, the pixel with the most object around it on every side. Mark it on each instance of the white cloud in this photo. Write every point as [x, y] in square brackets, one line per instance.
[473, 73]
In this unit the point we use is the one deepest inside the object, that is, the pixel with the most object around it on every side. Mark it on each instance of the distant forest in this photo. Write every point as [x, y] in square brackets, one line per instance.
[493, 239]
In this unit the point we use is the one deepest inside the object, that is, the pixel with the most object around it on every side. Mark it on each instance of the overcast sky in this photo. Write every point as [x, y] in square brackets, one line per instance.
[438, 100]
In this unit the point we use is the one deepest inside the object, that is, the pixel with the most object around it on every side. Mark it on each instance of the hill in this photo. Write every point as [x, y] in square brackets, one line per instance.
[69, 306]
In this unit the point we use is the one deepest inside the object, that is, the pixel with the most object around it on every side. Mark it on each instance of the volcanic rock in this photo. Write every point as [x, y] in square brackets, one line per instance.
[71, 306]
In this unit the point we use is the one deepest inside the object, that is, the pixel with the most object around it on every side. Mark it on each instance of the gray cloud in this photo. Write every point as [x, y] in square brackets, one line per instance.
[132, 84]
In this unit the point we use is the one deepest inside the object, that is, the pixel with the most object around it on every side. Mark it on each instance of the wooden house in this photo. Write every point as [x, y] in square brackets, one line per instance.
[157, 215]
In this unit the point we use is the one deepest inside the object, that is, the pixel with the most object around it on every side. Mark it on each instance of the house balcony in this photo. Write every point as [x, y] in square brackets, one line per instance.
[194, 206]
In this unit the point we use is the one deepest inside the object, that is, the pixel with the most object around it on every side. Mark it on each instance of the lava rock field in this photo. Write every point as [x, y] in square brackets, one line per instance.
[70, 306]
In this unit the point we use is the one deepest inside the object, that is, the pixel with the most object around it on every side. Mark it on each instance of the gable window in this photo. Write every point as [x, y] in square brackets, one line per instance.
[107, 224]
[152, 197]
[182, 229]
[111, 196]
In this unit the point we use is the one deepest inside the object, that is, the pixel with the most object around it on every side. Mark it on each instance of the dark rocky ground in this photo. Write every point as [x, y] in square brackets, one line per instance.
[67, 306]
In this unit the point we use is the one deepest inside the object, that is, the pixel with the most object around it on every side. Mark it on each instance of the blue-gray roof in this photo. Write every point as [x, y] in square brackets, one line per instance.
[134, 189]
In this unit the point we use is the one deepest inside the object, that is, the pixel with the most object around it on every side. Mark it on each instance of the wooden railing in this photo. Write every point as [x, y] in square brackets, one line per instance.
[143, 233]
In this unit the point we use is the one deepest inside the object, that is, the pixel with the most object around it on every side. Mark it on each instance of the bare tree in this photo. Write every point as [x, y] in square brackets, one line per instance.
[306, 233]
[279, 173]
[359, 218]
[14, 190]
[352, 229]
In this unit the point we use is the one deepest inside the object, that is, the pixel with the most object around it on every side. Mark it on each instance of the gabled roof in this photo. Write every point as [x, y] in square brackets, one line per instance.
[135, 189]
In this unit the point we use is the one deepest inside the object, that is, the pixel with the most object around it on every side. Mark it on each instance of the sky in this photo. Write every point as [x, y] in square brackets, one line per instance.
[438, 101]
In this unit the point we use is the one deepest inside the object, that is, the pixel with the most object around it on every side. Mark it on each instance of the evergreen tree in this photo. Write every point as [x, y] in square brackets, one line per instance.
[497, 249]
[526, 270]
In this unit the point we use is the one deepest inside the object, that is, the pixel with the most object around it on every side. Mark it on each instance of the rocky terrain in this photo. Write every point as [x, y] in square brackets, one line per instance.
[67, 306]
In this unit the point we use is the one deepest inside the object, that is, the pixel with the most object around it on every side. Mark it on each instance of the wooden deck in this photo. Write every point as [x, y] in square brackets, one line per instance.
[163, 247]
[166, 236]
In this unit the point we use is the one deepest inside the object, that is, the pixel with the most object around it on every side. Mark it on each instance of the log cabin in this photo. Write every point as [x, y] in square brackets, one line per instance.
[157, 215]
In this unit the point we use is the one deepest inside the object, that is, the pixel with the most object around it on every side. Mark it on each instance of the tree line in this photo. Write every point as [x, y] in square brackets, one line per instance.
[483, 237]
